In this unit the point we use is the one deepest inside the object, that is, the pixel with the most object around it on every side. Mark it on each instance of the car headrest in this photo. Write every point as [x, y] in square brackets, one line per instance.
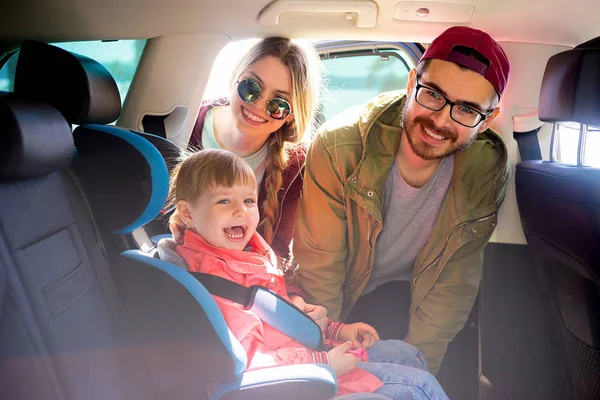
[125, 174]
[571, 86]
[35, 140]
[79, 87]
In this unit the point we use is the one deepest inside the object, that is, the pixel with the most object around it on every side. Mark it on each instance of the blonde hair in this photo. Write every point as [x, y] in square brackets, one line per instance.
[306, 71]
[199, 171]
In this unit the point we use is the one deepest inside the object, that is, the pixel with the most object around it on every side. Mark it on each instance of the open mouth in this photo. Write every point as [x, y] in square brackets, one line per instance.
[253, 117]
[237, 232]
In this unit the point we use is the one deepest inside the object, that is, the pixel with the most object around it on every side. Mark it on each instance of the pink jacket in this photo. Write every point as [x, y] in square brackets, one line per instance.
[264, 345]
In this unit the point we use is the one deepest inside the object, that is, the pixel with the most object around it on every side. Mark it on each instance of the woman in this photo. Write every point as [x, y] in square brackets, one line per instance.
[274, 94]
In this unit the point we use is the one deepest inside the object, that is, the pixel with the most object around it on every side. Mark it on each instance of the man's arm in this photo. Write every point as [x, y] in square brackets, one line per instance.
[320, 233]
[444, 310]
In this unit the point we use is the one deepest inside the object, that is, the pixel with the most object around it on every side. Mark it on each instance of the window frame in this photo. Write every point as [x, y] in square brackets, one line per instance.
[340, 48]
[407, 52]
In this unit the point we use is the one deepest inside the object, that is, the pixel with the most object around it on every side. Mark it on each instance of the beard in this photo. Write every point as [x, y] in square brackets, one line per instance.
[425, 150]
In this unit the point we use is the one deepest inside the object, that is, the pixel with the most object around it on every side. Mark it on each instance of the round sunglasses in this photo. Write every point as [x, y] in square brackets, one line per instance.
[249, 91]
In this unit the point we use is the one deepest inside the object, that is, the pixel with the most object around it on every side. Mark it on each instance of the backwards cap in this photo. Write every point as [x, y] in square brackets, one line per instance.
[442, 48]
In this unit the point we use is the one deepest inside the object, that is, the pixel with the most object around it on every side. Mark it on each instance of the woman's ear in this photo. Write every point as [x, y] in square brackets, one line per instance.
[185, 214]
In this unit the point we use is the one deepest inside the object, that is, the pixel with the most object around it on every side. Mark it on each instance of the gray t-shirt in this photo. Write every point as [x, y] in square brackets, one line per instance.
[256, 161]
[409, 215]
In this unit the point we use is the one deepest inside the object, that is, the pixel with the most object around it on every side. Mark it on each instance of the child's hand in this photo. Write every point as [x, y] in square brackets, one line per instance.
[317, 313]
[360, 334]
[340, 361]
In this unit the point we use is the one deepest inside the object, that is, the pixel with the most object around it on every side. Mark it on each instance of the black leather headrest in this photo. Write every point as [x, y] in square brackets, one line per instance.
[35, 140]
[125, 174]
[79, 87]
[571, 86]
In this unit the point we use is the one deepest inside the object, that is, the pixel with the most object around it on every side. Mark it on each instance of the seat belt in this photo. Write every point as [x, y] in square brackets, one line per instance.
[529, 146]
[143, 241]
[269, 307]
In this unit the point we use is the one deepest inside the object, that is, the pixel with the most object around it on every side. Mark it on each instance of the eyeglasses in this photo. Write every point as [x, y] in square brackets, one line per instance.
[464, 115]
[249, 91]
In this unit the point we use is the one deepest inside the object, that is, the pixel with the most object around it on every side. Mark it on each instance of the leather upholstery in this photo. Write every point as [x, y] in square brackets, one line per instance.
[63, 333]
[570, 87]
[35, 141]
[79, 87]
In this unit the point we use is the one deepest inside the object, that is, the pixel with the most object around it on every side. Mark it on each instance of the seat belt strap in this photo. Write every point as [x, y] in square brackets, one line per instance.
[529, 146]
[269, 307]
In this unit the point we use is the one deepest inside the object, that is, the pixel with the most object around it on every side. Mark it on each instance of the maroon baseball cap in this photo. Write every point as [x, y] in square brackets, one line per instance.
[496, 72]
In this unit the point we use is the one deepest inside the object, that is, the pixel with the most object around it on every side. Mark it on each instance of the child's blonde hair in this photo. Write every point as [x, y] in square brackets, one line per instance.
[306, 70]
[207, 168]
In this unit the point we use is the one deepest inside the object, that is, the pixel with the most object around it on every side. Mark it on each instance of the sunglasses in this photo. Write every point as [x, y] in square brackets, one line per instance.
[249, 91]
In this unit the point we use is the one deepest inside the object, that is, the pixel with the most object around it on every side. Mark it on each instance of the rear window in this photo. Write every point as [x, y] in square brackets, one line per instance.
[356, 79]
[566, 145]
[119, 57]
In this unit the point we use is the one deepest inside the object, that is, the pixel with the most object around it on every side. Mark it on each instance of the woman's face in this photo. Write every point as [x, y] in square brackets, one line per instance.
[275, 80]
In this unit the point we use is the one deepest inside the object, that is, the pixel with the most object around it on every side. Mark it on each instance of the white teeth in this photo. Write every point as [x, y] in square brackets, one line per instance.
[252, 116]
[433, 135]
[238, 235]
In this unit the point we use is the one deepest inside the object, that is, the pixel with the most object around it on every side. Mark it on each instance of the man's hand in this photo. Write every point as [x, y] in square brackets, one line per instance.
[340, 361]
[359, 334]
[317, 313]
[177, 227]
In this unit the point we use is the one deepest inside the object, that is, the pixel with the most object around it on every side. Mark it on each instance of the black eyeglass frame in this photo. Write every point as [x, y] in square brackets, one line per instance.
[483, 116]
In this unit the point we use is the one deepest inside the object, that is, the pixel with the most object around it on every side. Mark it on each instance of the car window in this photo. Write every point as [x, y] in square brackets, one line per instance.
[7, 74]
[592, 147]
[119, 57]
[355, 79]
[567, 144]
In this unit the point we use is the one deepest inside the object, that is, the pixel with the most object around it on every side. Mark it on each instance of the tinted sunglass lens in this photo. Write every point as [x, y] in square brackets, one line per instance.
[249, 90]
[278, 109]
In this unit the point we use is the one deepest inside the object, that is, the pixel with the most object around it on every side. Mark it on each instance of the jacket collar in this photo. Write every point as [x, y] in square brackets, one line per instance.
[384, 108]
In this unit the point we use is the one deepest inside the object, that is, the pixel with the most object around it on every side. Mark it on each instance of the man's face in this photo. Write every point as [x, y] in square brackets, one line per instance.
[434, 134]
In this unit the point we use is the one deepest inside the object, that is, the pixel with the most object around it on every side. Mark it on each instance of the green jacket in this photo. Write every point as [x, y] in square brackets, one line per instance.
[339, 218]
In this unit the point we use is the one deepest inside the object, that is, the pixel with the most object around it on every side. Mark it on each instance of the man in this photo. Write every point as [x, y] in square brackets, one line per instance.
[407, 191]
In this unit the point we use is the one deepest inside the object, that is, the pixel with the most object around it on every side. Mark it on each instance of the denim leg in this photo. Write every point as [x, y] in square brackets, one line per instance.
[396, 352]
[404, 382]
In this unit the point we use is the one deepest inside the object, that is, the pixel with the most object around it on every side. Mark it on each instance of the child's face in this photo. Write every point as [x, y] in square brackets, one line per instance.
[225, 217]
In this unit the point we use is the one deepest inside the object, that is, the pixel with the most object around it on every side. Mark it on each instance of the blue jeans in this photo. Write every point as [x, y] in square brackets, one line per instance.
[403, 371]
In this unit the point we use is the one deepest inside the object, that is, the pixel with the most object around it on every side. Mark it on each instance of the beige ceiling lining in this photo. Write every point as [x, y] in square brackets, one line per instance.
[535, 21]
